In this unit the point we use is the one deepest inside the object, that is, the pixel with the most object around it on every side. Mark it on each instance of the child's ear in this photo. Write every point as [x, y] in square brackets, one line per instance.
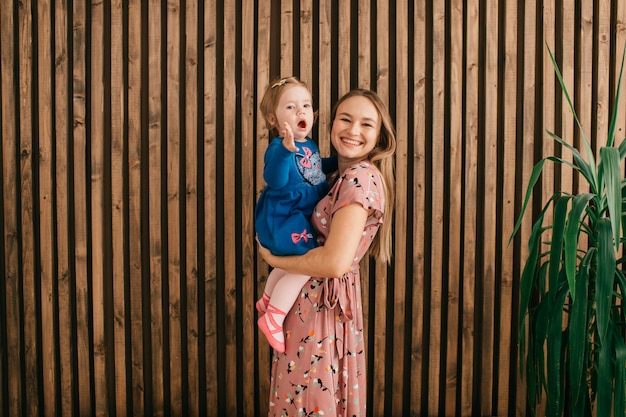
[271, 119]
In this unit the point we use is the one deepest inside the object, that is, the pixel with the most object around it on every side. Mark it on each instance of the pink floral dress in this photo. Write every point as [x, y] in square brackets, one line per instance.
[322, 372]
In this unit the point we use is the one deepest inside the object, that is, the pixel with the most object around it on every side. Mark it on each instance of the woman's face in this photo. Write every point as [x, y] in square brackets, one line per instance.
[356, 129]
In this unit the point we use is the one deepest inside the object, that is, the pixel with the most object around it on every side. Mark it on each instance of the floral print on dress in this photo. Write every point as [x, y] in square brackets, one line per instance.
[323, 370]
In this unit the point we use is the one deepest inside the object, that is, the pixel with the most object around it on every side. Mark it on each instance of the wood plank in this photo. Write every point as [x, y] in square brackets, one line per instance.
[173, 209]
[12, 403]
[248, 194]
[364, 45]
[453, 359]
[325, 97]
[307, 61]
[137, 270]
[286, 38]
[155, 199]
[403, 121]
[32, 395]
[100, 243]
[567, 38]
[45, 167]
[231, 196]
[343, 47]
[119, 204]
[602, 70]
[418, 207]
[378, 277]
[529, 136]
[61, 198]
[263, 79]
[508, 336]
[80, 211]
[192, 145]
[470, 207]
[210, 205]
[437, 176]
[489, 233]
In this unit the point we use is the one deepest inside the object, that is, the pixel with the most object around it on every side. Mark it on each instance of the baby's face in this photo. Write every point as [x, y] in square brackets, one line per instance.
[295, 107]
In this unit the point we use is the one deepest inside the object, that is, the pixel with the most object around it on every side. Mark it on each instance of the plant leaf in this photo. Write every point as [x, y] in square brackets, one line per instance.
[620, 375]
[605, 378]
[556, 244]
[610, 166]
[554, 341]
[605, 277]
[611, 133]
[534, 176]
[571, 106]
[571, 238]
[578, 329]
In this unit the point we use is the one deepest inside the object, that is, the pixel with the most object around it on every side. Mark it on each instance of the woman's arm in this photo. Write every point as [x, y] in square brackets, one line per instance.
[335, 257]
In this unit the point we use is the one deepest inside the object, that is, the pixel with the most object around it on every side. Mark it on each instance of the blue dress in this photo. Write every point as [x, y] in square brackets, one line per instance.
[296, 181]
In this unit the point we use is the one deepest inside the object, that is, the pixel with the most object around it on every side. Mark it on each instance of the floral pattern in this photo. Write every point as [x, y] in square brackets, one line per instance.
[322, 372]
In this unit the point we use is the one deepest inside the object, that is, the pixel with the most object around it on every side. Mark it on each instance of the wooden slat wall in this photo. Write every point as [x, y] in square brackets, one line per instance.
[132, 153]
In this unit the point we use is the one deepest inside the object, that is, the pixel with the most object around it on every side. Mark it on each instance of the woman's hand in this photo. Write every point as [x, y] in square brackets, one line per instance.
[265, 253]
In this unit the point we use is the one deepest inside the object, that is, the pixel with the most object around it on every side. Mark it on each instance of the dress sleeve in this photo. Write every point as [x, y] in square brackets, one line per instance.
[361, 184]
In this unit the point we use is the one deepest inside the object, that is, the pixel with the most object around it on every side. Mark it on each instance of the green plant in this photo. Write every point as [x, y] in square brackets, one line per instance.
[572, 288]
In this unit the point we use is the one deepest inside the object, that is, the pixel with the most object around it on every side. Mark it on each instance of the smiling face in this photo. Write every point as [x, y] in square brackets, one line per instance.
[294, 107]
[355, 130]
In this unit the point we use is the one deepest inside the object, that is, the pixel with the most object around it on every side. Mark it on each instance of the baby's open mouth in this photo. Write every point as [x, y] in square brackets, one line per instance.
[302, 124]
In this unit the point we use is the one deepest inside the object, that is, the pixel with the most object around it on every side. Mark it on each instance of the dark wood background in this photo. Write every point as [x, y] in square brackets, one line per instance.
[132, 154]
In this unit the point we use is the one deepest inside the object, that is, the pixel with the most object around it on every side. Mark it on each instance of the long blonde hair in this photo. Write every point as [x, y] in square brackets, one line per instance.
[382, 157]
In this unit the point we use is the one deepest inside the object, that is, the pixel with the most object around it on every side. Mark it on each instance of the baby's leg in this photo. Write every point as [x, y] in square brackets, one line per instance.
[272, 279]
[284, 295]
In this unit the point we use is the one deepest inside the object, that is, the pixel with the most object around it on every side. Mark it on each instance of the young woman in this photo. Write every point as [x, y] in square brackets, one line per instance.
[322, 371]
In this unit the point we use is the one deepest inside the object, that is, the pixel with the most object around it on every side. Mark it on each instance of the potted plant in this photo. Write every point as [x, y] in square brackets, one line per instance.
[572, 309]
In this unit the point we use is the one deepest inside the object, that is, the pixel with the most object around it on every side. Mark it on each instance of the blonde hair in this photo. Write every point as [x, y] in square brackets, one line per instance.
[272, 96]
[382, 157]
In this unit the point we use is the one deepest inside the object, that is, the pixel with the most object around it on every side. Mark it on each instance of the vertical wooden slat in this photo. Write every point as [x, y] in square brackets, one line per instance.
[324, 104]
[471, 137]
[418, 206]
[46, 200]
[528, 145]
[505, 366]
[98, 141]
[343, 47]
[378, 278]
[230, 202]
[307, 61]
[118, 205]
[602, 69]
[490, 175]
[33, 401]
[173, 206]
[262, 137]
[61, 134]
[620, 42]
[210, 204]
[135, 157]
[286, 38]
[11, 379]
[437, 175]
[568, 47]
[248, 194]
[364, 57]
[155, 167]
[191, 205]
[81, 229]
[452, 379]
[402, 122]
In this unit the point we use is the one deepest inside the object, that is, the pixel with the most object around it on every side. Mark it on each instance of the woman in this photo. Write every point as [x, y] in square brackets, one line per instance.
[322, 371]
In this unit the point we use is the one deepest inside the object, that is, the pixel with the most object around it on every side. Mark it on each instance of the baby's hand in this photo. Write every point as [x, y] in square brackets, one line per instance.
[288, 139]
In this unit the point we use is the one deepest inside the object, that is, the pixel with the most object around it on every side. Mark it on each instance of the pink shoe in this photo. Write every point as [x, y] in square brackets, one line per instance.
[261, 305]
[276, 344]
